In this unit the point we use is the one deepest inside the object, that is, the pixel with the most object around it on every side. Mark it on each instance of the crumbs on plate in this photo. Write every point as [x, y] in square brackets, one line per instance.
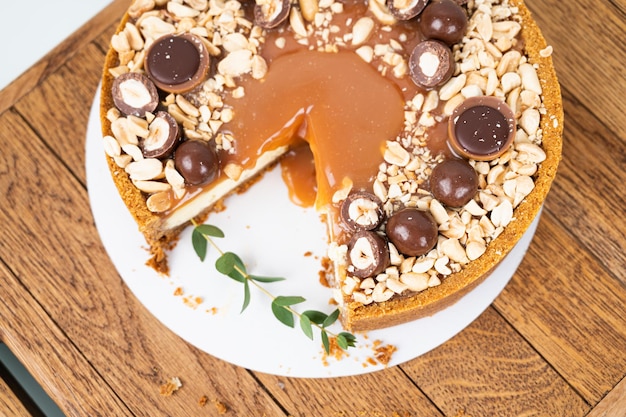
[381, 353]
[170, 387]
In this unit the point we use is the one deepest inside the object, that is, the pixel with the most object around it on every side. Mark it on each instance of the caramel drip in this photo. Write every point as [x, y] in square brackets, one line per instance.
[336, 102]
[298, 173]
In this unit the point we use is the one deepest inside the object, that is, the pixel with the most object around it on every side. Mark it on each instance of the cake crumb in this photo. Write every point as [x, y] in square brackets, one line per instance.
[192, 301]
[334, 351]
[170, 387]
[369, 361]
[203, 400]
[221, 407]
[383, 353]
[326, 272]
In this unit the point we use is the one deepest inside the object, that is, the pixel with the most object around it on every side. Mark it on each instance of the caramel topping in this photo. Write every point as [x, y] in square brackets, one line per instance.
[298, 173]
[341, 105]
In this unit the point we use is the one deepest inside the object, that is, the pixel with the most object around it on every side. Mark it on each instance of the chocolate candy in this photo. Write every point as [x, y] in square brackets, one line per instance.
[444, 20]
[481, 128]
[368, 253]
[405, 10]
[163, 138]
[134, 94]
[196, 161]
[431, 64]
[362, 211]
[177, 63]
[454, 182]
[271, 14]
[413, 232]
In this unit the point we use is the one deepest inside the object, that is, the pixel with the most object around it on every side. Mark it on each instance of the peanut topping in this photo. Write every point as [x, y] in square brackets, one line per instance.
[358, 53]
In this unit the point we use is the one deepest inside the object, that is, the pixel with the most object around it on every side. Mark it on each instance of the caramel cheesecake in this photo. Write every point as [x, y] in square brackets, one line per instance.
[426, 133]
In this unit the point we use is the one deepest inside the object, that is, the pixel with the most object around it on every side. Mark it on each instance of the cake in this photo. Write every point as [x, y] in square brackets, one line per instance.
[426, 133]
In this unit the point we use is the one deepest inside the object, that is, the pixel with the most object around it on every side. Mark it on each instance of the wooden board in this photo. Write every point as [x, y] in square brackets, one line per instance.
[552, 344]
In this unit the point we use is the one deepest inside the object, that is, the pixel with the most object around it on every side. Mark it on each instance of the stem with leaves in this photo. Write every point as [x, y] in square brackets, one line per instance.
[231, 265]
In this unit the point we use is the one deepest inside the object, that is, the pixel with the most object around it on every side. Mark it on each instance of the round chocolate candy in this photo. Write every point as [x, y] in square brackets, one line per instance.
[196, 161]
[177, 63]
[362, 210]
[271, 13]
[481, 128]
[368, 253]
[444, 20]
[163, 137]
[134, 94]
[413, 232]
[454, 182]
[431, 64]
[405, 10]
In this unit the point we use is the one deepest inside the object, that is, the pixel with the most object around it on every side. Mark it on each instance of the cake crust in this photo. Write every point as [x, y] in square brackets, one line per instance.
[397, 310]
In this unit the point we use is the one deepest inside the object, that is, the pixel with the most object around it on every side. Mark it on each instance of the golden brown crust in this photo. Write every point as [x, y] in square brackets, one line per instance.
[426, 303]
[398, 310]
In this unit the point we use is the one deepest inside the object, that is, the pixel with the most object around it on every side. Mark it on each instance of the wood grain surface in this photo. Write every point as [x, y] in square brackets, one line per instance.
[552, 344]
[11, 404]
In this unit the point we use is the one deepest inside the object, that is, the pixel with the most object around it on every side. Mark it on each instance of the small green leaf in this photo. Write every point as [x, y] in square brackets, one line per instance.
[331, 319]
[282, 314]
[325, 342]
[231, 265]
[345, 340]
[265, 279]
[246, 295]
[316, 317]
[199, 243]
[209, 230]
[288, 301]
[225, 263]
[237, 276]
[305, 325]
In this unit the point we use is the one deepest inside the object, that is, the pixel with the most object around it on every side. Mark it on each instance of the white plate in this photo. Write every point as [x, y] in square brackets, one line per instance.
[273, 237]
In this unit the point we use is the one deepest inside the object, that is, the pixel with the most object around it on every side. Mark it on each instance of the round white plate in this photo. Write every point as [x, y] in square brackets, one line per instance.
[274, 238]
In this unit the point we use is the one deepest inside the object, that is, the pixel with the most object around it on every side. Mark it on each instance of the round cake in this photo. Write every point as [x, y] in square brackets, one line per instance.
[425, 133]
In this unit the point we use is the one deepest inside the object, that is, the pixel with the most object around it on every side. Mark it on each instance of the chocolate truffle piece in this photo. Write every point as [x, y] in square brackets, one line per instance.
[444, 20]
[134, 94]
[163, 137]
[481, 128]
[368, 253]
[431, 64]
[454, 182]
[362, 210]
[413, 232]
[196, 161]
[177, 63]
[272, 13]
[406, 9]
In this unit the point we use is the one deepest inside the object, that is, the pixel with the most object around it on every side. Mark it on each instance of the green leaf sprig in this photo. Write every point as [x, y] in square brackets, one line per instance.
[231, 265]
